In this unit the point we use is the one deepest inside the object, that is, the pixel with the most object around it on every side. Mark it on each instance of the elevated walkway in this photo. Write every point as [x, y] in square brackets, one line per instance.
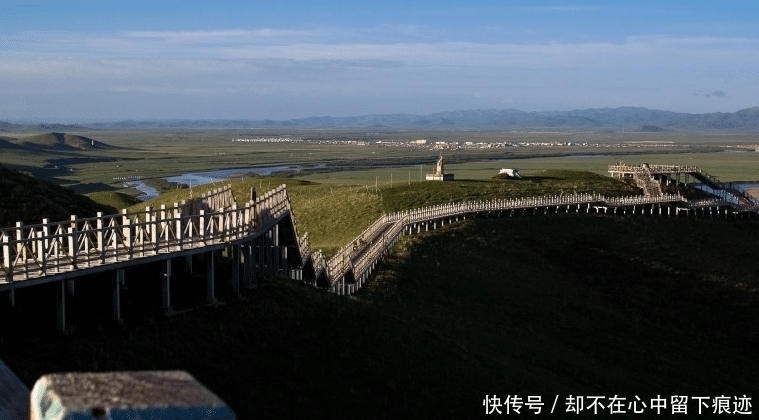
[645, 175]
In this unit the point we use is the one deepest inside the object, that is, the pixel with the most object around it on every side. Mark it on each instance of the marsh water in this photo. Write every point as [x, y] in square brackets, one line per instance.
[194, 179]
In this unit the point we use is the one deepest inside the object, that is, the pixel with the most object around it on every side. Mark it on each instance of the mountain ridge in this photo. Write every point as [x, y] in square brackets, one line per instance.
[625, 118]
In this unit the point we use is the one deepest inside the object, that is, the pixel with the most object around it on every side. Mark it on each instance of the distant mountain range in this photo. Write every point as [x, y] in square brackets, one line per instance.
[624, 118]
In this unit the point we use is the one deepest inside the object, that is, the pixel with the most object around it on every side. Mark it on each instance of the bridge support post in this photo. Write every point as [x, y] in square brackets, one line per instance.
[188, 264]
[274, 250]
[249, 266]
[210, 279]
[236, 251]
[60, 292]
[262, 256]
[166, 286]
[117, 283]
[283, 260]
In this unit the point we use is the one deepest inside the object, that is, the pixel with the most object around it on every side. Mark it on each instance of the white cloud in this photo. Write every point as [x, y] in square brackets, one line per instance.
[292, 63]
[565, 8]
[217, 36]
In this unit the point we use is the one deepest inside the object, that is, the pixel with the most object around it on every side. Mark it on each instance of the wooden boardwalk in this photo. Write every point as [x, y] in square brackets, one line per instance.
[650, 177]
[34, 254]
[54, 251]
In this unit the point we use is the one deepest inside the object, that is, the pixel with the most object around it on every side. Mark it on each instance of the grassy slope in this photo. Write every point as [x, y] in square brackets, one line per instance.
[541, 305]
[334, 214]
[62, 141]
[537, 305]
[115, 199]
[30, 200]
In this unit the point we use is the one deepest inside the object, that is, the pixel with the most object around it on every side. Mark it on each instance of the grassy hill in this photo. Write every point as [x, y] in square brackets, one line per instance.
[335, 214]
[542, 305]
[29, 200]
[7, 143]
[545, 305]
[61, 141]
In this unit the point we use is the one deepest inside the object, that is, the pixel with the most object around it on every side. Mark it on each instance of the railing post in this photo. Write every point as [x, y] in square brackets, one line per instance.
[45, 243]
[99, 235]
[20, 248]
[202, 224]
[7, 260]
[178, 231]
[154, 238]
[126, 231]
[73, 241]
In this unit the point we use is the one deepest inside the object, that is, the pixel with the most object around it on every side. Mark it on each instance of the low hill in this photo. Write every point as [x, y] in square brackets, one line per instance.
[62, 141]
[7, 143]
[29, 200]
[334, 214]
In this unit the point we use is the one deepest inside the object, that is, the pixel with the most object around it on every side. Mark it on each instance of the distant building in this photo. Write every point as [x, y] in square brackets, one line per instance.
[439, 174]
[511, 173]
[420, 142]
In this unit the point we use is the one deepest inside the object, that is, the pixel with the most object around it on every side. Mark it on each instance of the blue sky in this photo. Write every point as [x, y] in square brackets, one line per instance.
[84, 61]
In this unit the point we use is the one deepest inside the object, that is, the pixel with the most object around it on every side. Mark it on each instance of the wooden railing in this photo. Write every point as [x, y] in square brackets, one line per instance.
[378, 248]
[33, 251]
[340, 262]
[468, 207]
[664, 169]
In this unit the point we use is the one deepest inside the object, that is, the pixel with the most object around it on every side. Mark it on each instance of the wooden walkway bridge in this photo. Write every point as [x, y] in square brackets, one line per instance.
[650, 177]
[261, 238]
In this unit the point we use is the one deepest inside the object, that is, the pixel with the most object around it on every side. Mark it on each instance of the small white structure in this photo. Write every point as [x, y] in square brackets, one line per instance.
[511, 173]
[439, 174]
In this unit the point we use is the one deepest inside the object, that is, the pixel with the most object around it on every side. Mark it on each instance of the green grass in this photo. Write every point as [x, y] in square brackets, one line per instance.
[156, 154]
[553, 182]
[540, 305]
[334, 214]
[727, 166]
[115, 199]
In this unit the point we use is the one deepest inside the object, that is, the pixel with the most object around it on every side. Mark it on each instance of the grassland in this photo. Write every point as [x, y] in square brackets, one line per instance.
[541, 305]
[334, 214]
[154, 155]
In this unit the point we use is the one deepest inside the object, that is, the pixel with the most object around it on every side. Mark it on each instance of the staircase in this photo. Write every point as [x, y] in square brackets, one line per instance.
[645, 180]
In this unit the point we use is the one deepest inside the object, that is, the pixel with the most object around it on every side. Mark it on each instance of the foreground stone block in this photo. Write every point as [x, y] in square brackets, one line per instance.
[154, 395]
